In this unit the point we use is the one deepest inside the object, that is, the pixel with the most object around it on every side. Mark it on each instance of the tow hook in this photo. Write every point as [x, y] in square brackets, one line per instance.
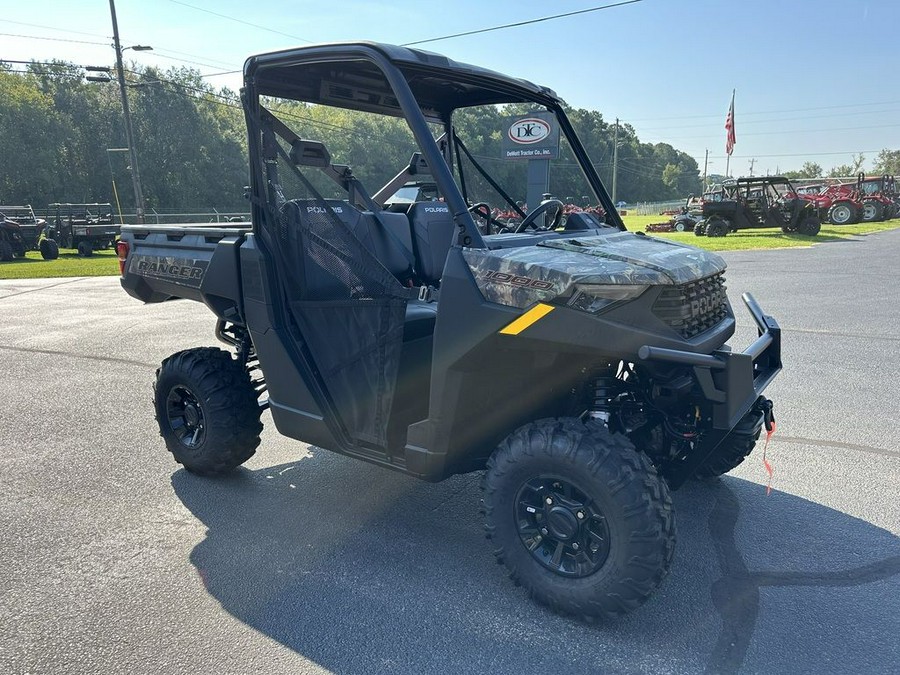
[764, 406]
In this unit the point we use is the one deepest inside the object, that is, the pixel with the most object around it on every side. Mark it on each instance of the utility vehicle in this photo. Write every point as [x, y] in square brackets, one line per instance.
[766, 201]
[31, 230]
[85, 227]
[584, 369]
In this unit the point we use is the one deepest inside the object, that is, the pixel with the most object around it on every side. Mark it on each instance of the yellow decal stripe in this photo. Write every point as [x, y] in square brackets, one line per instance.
[533, 315]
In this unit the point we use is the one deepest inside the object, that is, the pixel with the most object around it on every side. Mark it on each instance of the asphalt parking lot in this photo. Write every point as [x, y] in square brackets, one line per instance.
[112, 559]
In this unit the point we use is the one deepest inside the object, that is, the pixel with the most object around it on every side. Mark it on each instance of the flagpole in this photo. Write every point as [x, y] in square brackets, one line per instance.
[731, 131]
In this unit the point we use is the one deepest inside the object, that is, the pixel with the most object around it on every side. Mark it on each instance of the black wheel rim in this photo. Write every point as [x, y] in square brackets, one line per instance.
[562, 528]
[185, 416]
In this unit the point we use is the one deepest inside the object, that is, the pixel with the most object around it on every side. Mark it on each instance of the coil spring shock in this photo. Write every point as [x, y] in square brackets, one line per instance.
[606, 387]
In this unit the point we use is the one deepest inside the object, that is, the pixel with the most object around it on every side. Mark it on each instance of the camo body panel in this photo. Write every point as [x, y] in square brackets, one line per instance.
[503, 275]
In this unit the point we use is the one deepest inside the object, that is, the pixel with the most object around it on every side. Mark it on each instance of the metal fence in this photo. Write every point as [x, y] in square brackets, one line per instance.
[170, 216]
[653, 208]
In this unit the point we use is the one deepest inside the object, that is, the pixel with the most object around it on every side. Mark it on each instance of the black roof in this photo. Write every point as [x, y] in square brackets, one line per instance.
[757, 180]
[348, 75]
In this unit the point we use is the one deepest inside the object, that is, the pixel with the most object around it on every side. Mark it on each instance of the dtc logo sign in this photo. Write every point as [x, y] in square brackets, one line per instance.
[531, 136]
[527, 131]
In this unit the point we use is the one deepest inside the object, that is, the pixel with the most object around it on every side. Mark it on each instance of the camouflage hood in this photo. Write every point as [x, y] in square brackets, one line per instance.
[522, 276]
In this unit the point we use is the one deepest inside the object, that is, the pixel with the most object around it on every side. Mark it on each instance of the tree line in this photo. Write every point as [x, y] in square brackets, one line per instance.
[886, 162]
[57, 129]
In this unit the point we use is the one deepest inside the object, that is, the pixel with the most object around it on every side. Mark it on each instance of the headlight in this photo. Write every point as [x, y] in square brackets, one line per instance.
[594, 297]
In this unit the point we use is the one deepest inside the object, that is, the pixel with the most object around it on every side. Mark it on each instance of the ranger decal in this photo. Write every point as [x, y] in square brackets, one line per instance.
[183, 271]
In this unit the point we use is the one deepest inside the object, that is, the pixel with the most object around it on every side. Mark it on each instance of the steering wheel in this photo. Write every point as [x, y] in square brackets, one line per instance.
[542, 208]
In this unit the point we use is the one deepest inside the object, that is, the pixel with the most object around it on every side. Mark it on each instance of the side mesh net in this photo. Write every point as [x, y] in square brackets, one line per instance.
[347, 307]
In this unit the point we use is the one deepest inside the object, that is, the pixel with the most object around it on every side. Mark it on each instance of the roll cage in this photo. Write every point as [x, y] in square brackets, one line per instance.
[420, 87]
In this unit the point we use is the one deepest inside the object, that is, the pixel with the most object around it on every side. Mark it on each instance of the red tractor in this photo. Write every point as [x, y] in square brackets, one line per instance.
[878, 194]
[841, 203]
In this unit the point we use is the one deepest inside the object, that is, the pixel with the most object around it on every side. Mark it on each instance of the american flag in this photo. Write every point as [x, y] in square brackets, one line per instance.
[729, 128]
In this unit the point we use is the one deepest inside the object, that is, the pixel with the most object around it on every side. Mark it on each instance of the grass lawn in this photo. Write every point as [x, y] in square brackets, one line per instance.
[104, 263]
[756, 239]
[69, 264]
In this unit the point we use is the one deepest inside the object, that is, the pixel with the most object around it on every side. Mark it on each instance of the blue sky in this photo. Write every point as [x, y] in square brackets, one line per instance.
[816, 79]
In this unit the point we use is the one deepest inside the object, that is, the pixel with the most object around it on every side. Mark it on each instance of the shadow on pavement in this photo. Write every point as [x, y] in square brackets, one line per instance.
[362, 571]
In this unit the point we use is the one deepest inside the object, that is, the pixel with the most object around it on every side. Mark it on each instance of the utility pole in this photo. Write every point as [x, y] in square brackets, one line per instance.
[752, 162]
[615, 159]
[705, 164]
[129, 132]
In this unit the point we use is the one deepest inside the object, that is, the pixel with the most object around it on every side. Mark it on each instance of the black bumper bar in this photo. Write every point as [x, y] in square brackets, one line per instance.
[732, 382]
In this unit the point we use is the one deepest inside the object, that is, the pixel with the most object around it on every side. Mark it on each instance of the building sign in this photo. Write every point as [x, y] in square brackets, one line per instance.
[531, 136]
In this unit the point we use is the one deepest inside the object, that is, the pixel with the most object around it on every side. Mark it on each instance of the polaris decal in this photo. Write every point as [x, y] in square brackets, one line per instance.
[182, 271]
[324, 209]
[513, 280]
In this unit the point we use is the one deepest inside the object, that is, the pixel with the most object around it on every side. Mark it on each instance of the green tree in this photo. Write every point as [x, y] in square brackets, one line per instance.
[808, 170]
[887, 162]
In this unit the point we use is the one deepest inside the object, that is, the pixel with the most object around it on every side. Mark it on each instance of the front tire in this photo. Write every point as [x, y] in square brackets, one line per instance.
[809, 226]
[842, 213]
[872, 211]
[207, 410]
[732, 452]
[49, 249]
[579, 517]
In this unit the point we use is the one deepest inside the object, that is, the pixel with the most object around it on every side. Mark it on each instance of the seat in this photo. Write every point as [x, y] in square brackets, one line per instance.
[433, 231]
[420, 316]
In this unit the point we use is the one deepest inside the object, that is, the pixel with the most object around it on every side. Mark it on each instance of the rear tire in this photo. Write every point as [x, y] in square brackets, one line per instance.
[717, 227]
[6, 251]
[207, 410]
[85, 249]
[49, 249]
[700, 229]
[603, 563]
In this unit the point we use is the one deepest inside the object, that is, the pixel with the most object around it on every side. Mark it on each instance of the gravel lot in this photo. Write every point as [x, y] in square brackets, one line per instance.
[114, 560]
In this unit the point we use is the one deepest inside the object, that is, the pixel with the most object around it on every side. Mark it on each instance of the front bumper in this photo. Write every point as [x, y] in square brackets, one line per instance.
[731, 382]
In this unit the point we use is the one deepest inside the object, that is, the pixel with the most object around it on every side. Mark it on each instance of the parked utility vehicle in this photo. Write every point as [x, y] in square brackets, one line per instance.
[31, 233]
[766, 201]
[585, 369]
[85, 227]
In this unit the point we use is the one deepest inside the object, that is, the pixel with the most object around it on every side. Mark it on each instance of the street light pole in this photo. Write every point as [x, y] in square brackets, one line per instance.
[129, 132]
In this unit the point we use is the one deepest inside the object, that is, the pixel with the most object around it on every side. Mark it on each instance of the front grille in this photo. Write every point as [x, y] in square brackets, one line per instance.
[692, 308]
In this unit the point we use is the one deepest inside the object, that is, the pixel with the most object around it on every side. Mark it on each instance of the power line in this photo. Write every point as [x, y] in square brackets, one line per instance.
[790, 131]
[764, 112]
[158, 51]
[61, 30]
[162, 54]
[246, 23]
[777, 119]
[512, 25]
[797, 154]
[41, 37]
